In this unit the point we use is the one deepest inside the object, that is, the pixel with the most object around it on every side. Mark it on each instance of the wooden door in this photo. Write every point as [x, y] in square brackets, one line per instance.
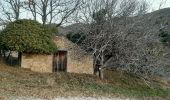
[60, 61]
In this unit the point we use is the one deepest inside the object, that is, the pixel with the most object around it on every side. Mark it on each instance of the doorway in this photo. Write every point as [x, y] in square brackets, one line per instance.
[60, 61]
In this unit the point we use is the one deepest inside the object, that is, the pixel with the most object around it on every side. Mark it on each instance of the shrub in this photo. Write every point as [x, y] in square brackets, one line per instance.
[27, 36]
[165, 36]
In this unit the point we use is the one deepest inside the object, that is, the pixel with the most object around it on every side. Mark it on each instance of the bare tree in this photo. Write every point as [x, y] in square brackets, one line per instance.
[143, 8]
[162, 3]
[10, 9]
[115, 30]
[56, 11]
[32, 7]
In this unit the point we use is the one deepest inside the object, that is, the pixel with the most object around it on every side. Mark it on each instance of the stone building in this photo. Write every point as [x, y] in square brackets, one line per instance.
[69, 58]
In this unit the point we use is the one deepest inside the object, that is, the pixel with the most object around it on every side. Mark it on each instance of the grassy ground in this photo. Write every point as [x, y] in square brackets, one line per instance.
[22, 82]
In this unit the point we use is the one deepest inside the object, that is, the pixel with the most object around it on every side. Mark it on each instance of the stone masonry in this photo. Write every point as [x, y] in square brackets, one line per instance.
[78, 61]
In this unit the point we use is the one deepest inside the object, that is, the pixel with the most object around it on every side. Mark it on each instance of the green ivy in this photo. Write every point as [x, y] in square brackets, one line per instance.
[27, 36]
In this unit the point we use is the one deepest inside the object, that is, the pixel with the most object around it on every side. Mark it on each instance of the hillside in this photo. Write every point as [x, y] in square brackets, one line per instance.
[24, 83]
[151, 22]
[154, 18]
[143, 29]
[18, 82]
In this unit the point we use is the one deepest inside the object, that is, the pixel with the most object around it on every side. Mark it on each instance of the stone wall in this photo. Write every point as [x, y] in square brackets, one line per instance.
[78, 61]
[82, 65]
[37, 62]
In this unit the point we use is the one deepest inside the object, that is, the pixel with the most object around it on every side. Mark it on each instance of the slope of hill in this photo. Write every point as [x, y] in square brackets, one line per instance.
[145, 28]
[76, 28]
[155, 18]
[22, 82]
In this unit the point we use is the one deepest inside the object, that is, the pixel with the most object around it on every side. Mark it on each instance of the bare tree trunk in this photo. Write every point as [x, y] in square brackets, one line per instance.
[15, 4]
[7, 58]
[101, 74]
[32, 8]
[1, 53]
[19, 58]
[44, 11]
[4, 55]
[51, 12]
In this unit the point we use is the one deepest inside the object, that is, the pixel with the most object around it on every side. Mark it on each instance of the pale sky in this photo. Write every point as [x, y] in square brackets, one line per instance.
[156, 3]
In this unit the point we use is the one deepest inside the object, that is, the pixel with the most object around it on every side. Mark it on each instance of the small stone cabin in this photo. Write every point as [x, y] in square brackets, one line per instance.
[69, 58]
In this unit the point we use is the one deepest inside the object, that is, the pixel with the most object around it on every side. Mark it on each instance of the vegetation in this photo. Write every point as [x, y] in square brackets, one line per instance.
[165, 36]
[125, 38]
[27, 36]
[22, 82]
[100, 16]
[118, 33]
[77, 38]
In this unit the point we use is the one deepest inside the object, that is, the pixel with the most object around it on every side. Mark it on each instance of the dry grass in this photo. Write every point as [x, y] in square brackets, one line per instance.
[22, 82]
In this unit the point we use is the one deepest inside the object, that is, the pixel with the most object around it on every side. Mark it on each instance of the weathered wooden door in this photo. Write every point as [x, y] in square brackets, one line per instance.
[60, 61]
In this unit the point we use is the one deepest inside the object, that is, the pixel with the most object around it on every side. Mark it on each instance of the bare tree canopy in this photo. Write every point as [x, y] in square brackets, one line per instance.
[119, 36]
[55, 11]
[46, 11]
[10, 10]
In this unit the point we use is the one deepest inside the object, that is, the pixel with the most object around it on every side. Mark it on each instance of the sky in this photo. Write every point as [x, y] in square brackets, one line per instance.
[156, 3]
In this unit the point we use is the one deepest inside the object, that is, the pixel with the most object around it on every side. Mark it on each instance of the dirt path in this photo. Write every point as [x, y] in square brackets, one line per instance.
[63, 98]
[88, 98]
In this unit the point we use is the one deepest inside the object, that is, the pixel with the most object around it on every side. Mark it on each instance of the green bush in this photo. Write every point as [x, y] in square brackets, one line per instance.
[76, 37]
[165, 36]
[27, 36]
